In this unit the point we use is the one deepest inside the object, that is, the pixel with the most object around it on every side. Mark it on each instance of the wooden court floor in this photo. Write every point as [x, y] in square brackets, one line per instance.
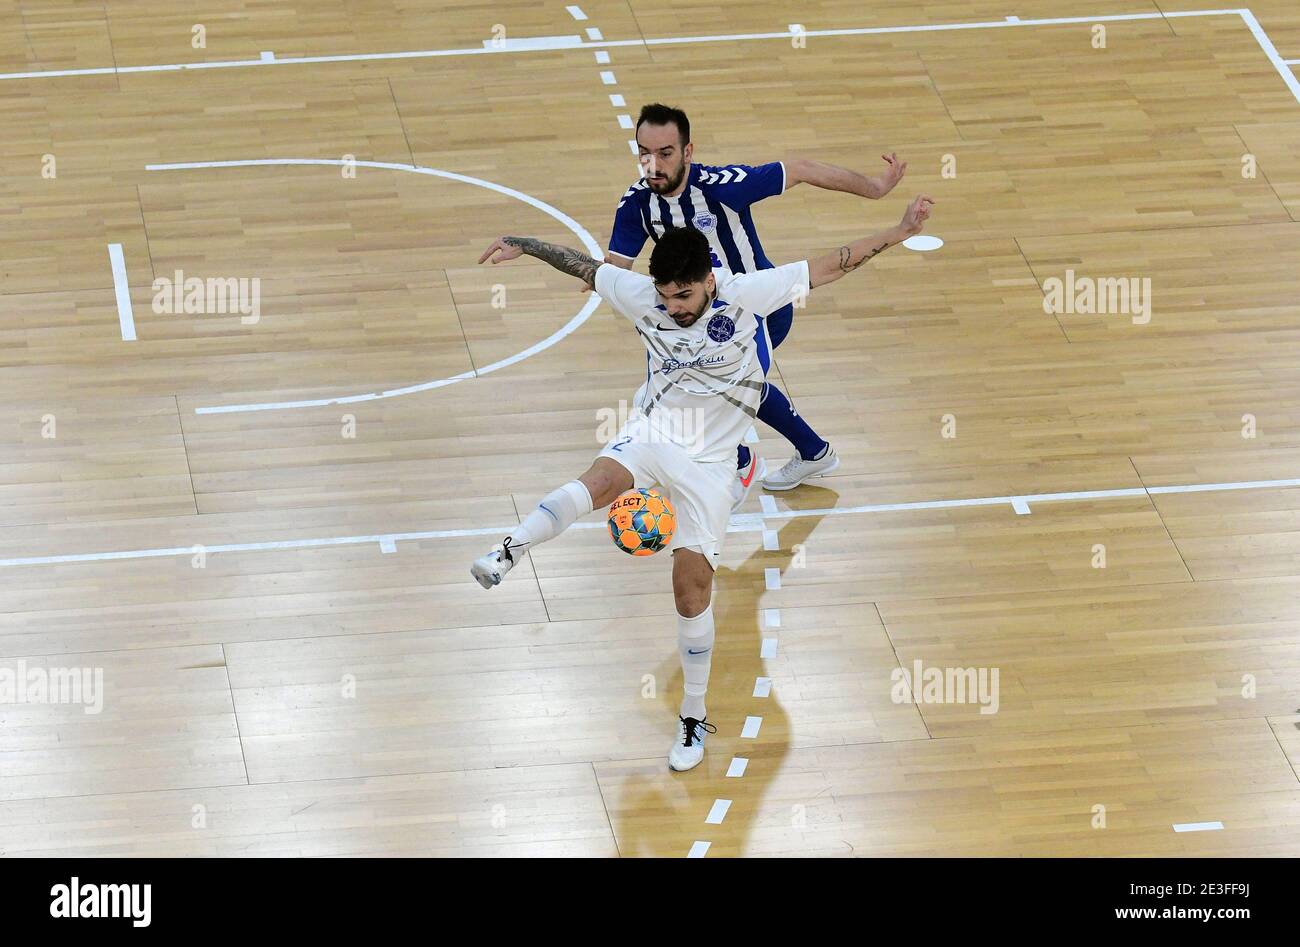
[292, 657]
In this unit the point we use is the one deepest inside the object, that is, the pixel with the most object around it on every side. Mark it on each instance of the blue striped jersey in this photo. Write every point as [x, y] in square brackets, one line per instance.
[715, 201]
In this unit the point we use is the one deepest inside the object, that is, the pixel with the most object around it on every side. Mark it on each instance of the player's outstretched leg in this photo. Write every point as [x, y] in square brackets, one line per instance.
[557, 511]
[692, 589]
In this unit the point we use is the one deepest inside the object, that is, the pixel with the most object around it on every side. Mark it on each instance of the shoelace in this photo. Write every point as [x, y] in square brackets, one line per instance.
[505, 550]
[691, 724]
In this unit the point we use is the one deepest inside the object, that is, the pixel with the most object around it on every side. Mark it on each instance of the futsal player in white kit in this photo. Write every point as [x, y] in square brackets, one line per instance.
[707, 356]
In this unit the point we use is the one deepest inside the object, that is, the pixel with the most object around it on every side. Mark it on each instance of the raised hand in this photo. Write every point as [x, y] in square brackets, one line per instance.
[918, 212]
[892, 174]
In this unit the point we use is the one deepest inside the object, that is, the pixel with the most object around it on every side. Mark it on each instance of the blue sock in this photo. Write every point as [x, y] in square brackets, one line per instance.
[742, 457]
[777, 413]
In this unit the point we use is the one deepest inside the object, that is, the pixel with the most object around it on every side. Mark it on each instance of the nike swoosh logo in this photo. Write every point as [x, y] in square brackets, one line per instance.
[746, 480]
[705, 651]
[665, 328]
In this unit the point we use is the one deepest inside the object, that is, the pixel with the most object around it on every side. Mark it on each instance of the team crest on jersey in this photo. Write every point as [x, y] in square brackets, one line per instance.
[705, 223]
[721, 328]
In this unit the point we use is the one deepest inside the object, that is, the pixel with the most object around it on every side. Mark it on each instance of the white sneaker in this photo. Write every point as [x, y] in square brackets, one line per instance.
[689, 748]
[746, 478]
[489, 570]
[797, 470]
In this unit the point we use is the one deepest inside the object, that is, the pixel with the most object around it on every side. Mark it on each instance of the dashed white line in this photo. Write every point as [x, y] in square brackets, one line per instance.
[607, 77]
[576, 12]
[718, 812]
[593, 33]
[772, 617]
[625, 121]
[698, 849]
[762, 686]
[751, 728]
[737, 767]
[768, 649]
[602, 57]
[122, 290]
[617, 101]
[772, 578]
[1198, 826]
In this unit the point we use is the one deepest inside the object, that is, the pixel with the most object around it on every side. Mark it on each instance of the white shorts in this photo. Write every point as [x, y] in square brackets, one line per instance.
[701, 493]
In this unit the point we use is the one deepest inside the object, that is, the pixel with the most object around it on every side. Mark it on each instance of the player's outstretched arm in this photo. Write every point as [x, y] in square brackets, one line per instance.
[564, 259]
[831, 177]
[829, 268]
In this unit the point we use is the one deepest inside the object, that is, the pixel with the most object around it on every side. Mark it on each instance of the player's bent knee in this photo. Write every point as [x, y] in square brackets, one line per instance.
[605, 479]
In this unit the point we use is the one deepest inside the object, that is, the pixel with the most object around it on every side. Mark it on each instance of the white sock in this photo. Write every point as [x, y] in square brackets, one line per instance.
[695, 635]
[558, 511]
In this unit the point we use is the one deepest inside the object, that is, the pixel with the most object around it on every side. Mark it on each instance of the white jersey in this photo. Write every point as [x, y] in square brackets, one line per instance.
[704, 383]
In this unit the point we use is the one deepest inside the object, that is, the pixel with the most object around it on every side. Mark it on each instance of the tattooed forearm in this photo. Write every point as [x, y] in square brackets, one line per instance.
[848, 265]
[564, 259]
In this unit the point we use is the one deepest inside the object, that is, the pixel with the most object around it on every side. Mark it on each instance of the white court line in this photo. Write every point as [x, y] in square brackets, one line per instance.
[593, 33]
[1198, 826]
[698, 849]
[751, 728]
[520, 43]
[607, 77]
[772, 617]
[602, 57]
[737, 767]
[1020, 506]
[1248, 17]
[122, 289]
[768, 649]
[772, 578]
[576, 12]
[770, 541]
[748, 522]
[588, 241]
[718, 812]
[1271, 52]
[762, 686]
[387, 546]
[617, 101]
[767, 503]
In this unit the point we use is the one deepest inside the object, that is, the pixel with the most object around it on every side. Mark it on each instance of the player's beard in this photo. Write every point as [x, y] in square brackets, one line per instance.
[669, 184]
[704, 307]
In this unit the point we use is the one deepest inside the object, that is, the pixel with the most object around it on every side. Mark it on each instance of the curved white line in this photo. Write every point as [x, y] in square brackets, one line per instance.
[579, 231]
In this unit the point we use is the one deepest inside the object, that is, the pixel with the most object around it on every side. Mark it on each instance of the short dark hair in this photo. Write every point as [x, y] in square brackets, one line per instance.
[680, 256]
[656, 114]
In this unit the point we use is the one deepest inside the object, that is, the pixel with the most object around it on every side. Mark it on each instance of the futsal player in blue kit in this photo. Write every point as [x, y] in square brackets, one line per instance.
[716, 201]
